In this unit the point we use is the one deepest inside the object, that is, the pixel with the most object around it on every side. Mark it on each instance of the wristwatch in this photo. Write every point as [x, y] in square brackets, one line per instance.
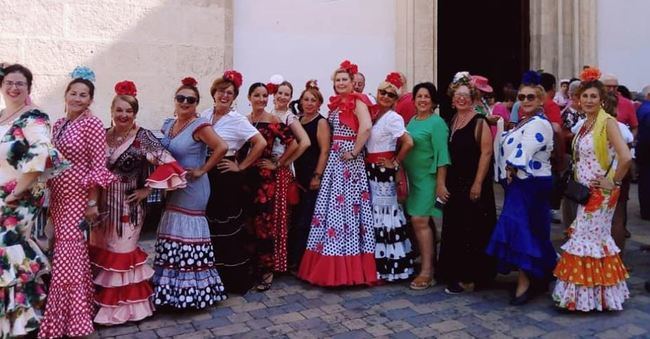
[92, 203]
[617, 183]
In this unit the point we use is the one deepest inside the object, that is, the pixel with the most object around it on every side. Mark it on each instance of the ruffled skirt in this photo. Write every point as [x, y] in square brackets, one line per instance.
[185, 276]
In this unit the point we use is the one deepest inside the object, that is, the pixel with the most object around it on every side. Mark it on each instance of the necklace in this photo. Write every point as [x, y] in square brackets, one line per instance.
[4, 118]
[258, 120]
[459, 122]
[216, 117]
[117, 139]
[173, 134]
[309, 119]
[584, 130]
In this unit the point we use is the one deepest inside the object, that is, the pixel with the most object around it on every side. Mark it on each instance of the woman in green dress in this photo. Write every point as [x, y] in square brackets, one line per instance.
[426, 170]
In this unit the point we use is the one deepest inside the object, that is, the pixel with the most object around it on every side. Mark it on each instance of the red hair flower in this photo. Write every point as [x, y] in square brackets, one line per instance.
[395, 79]
[349, 67]
[271, 88]
[234, 76]
[189, 81]
[590, 74]
[126, 87]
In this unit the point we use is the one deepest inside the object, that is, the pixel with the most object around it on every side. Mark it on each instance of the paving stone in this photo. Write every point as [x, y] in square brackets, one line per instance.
[355, 324]
[239, 317]
[231, 329]
[564, 334]
[118, 330]
[174, 330]
[259, 323]
[448, 326]
[210, 323]
[309, 324]
[312, 313]
[632, 330]
[196, 335]
[155, 322]
[149, 334]
[301, 335]
[247, 307]
[425, 332]
[401, 313]
[527, 332]
[456, 335]
[398, 325]
[279, 330]
[255, 334]
[194, 317]
[538, 315]
[378, 330]
[286, 318]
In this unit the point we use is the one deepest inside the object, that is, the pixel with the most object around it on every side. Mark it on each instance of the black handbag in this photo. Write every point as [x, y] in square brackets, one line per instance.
[578, 192]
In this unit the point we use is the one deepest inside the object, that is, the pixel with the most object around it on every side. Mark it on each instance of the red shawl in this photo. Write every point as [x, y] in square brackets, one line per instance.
[345, 104]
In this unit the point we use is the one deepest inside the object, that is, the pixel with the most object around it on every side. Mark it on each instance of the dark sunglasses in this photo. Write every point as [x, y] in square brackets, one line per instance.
[190, 100]
[388, 94]
[524, 97]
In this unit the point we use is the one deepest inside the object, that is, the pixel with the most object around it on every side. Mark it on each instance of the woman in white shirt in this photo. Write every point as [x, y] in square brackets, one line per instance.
[393, 254]
[225, 209]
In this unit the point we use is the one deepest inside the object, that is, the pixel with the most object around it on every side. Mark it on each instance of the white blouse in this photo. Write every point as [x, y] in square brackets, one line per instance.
[385, 132]
[233, 128]
[527, 148]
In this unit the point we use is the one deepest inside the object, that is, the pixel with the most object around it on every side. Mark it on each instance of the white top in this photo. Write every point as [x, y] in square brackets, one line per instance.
[233, 128]
[286, 118]
[385, 132]
[527, 148]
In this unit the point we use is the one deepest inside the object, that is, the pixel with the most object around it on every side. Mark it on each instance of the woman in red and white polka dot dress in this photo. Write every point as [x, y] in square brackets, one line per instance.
[80, 136]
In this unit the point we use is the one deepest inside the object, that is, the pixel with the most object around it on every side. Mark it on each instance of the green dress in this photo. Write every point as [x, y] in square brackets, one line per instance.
[428, 153]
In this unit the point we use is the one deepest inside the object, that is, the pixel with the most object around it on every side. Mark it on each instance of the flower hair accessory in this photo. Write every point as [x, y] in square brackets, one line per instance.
[83, 72]
[395, 79]
[189, 81]
[274, 83]
[126, 87]
[349, 67]
[462, 78]
[311, 84]
[234, 76]
[531, 78]
[590, 74]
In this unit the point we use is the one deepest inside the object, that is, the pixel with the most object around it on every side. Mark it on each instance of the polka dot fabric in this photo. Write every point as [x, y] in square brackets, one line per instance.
[341, 245]
[70, 303]
[526, 147]
[591, 275]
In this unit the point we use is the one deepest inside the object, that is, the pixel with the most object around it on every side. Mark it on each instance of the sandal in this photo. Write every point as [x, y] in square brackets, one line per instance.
[421, 283]
[265, 284]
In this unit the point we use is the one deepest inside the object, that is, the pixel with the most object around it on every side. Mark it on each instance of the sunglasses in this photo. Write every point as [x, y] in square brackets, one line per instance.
[190, 100]
[388, 94]
[524, 97]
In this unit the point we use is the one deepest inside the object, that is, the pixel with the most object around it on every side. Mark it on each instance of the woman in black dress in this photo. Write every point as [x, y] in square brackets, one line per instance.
[469, 214]
[309, 169]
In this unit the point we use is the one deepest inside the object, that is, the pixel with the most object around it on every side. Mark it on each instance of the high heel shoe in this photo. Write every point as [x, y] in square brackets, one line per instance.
[522, 299]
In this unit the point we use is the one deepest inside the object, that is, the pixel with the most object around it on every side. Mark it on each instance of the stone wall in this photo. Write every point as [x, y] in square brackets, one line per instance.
[154, 43]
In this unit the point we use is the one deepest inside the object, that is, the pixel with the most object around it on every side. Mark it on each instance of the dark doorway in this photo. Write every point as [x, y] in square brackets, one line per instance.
[490, 38]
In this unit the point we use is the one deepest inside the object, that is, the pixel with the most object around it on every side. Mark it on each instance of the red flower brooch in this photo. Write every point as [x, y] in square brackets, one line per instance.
[126, 87]
[590, 74]
[349, 67]
[234, 76]
[189, 81]
[395, 79]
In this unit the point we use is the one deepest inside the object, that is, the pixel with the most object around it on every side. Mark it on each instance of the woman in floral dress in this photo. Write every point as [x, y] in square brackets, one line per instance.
[185, 274]
[590, 273]
[270, 219]
[341, 245]
[22, 264]
[121, 272]
[80, 136]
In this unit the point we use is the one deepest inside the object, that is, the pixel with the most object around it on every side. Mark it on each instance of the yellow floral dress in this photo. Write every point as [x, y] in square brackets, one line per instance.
[25, 147]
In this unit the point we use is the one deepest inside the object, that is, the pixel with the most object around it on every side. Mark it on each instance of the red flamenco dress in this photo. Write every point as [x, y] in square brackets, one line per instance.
[341, 246]
[121, 274]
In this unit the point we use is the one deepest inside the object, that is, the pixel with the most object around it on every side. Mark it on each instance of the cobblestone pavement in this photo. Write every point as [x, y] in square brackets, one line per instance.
[295, 309]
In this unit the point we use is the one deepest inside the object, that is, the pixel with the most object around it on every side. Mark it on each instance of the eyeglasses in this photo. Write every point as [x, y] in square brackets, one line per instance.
[189, 99]
[18, 84]
[388, 94]
[462, 95]
[524, 97]
[226, 93]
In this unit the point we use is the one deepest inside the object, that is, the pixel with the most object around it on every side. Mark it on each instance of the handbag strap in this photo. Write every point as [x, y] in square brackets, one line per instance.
[610, 166]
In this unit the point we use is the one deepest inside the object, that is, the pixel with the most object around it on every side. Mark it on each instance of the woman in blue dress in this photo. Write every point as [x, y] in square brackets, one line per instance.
[521, 237]
[185, 276]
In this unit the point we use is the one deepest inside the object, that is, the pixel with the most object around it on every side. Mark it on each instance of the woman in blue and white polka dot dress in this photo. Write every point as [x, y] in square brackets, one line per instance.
[521, 238]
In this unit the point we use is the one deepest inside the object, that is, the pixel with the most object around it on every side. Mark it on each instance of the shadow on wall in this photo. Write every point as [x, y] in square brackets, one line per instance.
[154, 43]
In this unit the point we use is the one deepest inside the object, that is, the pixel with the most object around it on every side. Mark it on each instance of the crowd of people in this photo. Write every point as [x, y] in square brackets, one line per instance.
[342, 198]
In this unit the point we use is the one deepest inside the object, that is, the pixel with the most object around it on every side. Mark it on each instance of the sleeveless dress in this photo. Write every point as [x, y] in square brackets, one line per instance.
[590, 273]
[393, 252]
[22, 264]
[341, 244]
[466, 224]
[185, 276]
[305, 167]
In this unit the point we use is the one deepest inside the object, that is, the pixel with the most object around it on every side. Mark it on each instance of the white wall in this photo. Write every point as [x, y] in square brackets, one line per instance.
[624, 41]
[304, 39]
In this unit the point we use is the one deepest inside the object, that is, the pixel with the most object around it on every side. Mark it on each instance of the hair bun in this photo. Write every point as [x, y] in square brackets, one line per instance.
[189, 81]
[312, 83]
[531, 78]
[126, 87]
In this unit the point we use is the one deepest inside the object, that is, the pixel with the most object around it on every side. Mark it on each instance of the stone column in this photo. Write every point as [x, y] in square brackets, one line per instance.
[416, 39]
[562, 36]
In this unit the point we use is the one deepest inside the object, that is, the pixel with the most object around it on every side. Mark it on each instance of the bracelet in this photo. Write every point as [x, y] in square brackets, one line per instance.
[617, 183]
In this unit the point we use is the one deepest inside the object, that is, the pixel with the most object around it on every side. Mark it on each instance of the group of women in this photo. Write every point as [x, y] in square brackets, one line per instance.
[326, 198]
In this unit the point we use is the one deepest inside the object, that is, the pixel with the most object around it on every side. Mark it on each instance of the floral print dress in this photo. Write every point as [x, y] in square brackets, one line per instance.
[25, 147]
[590, 273]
